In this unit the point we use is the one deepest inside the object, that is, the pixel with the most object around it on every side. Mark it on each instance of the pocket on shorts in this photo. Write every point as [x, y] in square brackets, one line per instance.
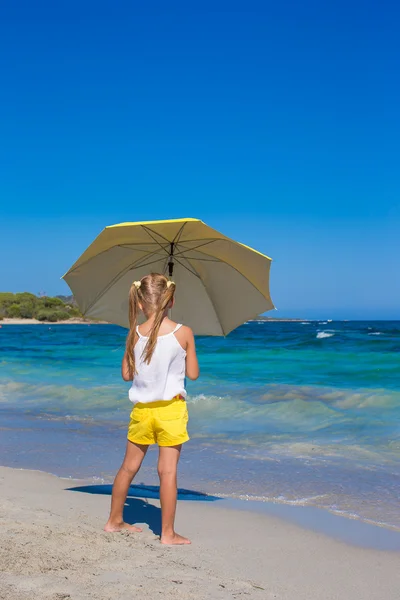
[138, 414]
[173, 412]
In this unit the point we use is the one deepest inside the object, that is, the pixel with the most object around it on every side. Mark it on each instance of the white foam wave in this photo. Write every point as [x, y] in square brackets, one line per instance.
[324, 334]
[325, 501]
[311, 500]
[61, 397]
[376, 333]
[284, 400]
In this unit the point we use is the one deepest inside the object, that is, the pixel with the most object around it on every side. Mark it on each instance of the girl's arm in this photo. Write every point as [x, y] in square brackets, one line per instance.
[126, 376]
[192, 364]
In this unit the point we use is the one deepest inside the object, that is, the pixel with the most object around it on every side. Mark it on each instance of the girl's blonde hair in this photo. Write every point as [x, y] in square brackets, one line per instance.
[154, 293]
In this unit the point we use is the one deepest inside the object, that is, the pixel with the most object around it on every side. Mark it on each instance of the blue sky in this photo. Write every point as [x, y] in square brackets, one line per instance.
[277, 123]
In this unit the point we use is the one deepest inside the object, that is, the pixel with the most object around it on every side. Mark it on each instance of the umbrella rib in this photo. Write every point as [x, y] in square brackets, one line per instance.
[103, 291]
[126, 247]
[175, 240]
[165, 265]
[194, 272]
[147, 230]
[224, 262]
[178, 235]
[117, 276]
[205, 240]
[216, 260]
[221, 261]
[147, 253]
[195, 247]
[129, 246]
[146, 264]
[137, 264]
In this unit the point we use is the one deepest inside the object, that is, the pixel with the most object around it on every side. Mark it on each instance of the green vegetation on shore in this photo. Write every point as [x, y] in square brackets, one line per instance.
[45, 308]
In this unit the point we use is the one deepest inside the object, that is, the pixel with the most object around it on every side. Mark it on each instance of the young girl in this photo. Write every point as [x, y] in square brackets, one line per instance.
[158, 355]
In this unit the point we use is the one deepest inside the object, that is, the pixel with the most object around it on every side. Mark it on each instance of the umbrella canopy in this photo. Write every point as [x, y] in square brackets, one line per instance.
[220, 283]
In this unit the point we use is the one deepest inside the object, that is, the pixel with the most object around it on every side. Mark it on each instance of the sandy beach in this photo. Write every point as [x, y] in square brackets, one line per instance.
[53, 547]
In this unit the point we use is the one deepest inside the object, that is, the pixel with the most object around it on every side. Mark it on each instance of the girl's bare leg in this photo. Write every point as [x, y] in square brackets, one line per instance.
[167, 468]
[134, 456]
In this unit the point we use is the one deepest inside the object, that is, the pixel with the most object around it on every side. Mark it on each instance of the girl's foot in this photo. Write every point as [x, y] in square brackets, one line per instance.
[113, 527]
[174, 539]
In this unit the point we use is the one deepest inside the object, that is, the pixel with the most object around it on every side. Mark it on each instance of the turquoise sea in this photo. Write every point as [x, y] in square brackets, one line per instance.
[298, 413]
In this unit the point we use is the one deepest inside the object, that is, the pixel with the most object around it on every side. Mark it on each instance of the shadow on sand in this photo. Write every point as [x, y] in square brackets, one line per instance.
[137, 508]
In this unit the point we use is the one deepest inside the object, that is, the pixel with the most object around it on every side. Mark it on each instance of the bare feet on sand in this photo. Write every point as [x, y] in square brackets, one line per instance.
[113, 527]
[174, 539]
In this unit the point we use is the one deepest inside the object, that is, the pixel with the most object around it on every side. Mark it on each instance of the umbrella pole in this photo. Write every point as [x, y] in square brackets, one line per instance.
[171, 261]
[171, 270]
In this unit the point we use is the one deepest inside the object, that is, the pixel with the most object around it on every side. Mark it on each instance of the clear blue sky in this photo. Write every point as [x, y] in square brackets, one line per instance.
[275, 122]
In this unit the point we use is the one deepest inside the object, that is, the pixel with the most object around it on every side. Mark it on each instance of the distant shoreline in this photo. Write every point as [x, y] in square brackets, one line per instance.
[74, 321]
[80, 321]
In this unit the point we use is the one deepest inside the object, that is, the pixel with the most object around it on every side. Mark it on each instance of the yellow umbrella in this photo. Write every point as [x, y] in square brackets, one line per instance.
[220, 283]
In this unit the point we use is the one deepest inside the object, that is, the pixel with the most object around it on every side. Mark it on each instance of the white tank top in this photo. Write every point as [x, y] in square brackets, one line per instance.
[164, 377]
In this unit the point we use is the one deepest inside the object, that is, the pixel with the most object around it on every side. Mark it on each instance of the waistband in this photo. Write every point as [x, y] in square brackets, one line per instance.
[159, 403]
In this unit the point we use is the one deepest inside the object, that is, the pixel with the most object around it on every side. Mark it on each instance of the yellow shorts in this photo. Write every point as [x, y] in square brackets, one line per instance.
[162, 422]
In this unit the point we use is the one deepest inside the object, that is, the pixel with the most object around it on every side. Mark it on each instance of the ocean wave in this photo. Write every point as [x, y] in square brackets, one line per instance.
[324, 334]
[241, 403]
[65, 399]
[283, 420]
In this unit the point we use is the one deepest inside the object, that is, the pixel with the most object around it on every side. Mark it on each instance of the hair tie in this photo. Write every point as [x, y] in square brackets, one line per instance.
[137, 284]
[169, 283]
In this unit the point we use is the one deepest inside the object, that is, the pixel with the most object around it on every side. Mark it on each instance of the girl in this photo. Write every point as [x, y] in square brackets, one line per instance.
[158, 355]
